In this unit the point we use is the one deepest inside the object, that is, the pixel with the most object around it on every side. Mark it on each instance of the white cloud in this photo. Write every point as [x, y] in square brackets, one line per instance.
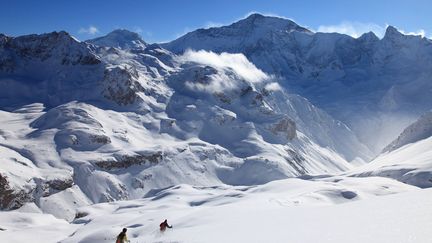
[354, 29]
[219, 82]
[226, 64]
[273, 86]
[91, 30]
[420, 32]
[237, 62]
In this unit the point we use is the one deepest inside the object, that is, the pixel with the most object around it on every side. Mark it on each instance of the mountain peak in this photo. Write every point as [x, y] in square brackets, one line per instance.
[3, 38]
[125, 33]
[120, 38]
[257, 20]
[254, 16]
[368, 37]
[55, 38]
[391, 31]
[245, 32]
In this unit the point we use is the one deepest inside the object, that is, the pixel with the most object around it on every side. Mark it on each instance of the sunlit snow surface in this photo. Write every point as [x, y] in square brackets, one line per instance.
[97, 138]
[410, 164]
[333, 209]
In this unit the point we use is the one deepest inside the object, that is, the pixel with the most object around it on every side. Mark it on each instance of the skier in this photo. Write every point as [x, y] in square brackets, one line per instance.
[164, 225]
[122, 238]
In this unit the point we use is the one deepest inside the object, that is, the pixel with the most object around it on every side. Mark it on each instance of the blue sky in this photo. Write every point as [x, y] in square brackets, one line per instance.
[164, 20]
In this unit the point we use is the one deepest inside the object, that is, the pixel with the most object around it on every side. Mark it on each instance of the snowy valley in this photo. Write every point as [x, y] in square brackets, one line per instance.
[262, 126]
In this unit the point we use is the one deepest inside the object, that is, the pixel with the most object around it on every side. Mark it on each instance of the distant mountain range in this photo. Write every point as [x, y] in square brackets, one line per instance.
[261, 99]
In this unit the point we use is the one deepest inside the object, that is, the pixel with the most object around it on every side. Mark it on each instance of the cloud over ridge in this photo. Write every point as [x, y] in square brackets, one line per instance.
[237, 62]
[232, 70]
[354, 29]
[91, 30]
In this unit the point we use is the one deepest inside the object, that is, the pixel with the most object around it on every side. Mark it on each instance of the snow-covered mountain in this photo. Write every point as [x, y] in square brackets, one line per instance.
[366, 82]
[417, 131]
[408, 158]
[88, 124]
[121, 38]
[115, 118]
[46, 68]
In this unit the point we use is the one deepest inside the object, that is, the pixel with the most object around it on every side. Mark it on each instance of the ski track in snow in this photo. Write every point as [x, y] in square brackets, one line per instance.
[332, 209]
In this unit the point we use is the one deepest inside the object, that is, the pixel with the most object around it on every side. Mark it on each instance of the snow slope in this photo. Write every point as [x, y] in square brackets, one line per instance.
[408, 158]
[417, 131]
[411, 164]
[332, 209]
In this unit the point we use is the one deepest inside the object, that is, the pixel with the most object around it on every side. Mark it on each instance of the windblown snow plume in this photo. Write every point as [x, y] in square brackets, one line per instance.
[219, 80]
[237, 62]
[221, 72]
[273, 86]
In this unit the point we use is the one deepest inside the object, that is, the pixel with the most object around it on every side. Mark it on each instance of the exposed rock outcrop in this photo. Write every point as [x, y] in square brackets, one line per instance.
[10, 198]
[126, 161]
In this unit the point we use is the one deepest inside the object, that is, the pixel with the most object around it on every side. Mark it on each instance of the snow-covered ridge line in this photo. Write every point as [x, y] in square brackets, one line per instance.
[230, 111]
[417, 131]
[120, 38]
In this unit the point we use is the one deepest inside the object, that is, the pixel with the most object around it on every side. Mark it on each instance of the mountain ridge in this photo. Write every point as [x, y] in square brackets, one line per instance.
[331, 68]
[120, 38]
[111, 122]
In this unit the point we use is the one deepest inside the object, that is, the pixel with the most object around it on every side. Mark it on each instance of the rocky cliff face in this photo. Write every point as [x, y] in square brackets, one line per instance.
[10, 198]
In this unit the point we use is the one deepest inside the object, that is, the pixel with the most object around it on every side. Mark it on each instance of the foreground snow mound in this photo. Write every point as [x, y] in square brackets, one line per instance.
[327, 209]
[20, 227]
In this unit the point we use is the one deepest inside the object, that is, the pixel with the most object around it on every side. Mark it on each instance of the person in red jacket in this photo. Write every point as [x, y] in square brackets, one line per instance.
[164, 225]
